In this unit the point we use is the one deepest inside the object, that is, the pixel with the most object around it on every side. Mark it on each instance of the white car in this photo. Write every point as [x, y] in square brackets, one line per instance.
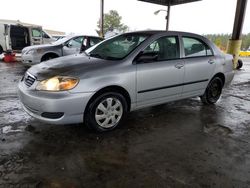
[66, 46]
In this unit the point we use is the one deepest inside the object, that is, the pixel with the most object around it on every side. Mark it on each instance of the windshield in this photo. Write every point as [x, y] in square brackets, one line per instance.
[62, 40]
[118, 47]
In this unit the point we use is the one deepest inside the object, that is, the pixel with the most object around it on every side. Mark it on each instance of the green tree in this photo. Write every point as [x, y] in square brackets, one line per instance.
[112, 21]
[221, 40]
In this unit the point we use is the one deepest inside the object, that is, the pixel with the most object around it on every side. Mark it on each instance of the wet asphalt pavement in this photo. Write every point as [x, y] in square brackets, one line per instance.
[179, 144]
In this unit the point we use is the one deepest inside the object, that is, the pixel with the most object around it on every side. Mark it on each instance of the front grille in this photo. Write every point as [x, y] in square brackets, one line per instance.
[29, 79]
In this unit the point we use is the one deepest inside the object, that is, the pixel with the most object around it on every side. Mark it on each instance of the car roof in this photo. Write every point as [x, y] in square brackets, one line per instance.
[78, 35]
[153, 32]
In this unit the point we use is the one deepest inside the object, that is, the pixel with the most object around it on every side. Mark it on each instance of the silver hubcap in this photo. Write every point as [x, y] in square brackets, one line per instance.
[109, 112]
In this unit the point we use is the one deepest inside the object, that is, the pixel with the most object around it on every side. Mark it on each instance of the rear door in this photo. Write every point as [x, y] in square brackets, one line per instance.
[199, 65]
[160, 80]
[36, 37]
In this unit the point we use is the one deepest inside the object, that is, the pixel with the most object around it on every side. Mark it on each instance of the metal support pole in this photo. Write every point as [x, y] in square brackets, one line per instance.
[239, 19]
[102, 18]
[168, 16]
[234, 44]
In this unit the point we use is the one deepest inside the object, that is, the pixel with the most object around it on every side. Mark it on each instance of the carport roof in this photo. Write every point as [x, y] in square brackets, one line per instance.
[166, 2]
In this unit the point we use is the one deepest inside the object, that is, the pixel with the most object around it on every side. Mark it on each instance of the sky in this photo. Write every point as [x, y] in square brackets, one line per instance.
[81, 16]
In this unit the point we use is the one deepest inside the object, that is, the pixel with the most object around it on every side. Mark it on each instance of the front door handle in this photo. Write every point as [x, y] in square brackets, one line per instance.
[179, 66]
[211, 61]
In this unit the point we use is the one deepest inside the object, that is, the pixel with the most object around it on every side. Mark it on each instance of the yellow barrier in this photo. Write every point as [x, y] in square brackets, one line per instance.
[233, 47]
[245, 53]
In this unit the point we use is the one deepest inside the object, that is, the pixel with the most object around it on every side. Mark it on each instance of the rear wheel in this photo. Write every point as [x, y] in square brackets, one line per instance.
[106, 112]
[213, 91]
[239, 64]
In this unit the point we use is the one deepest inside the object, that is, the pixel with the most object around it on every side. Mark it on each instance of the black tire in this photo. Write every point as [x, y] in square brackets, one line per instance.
[93, 110]
[213, 91]
[48, 57]
[239, 64]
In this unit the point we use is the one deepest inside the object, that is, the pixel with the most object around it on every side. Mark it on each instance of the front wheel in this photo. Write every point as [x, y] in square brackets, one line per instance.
[106, 112]
[213, 91]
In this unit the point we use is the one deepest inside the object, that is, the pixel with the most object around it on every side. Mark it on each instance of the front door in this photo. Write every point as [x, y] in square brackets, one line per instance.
[46, 38]
[160, 80]
[36, 35]
[73, 46]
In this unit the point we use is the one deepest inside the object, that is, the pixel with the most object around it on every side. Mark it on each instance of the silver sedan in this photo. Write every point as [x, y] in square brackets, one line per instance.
[125, 73]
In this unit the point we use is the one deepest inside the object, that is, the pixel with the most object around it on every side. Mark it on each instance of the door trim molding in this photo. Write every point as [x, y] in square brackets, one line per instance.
[171, 86]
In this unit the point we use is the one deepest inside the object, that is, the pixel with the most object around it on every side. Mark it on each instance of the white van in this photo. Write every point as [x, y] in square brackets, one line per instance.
[15, 35]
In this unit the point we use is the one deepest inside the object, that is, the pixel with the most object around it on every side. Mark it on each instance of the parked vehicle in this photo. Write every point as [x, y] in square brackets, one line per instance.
[122, 74]
[15, 35]
[66, 46]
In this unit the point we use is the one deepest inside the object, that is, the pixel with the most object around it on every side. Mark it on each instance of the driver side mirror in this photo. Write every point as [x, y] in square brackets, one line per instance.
[147, 57]
[69, 45]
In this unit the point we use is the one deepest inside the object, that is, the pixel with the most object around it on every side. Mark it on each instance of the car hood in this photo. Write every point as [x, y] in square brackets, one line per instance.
[39, 46]
[72, 65]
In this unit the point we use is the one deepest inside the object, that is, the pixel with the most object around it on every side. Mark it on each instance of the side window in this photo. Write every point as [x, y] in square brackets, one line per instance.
[36, 33]
[75, 43]
[195, 48]
[45, 35]
[94, 41]
[166, 48]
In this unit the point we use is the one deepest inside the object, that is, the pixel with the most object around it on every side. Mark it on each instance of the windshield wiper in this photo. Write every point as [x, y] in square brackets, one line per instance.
[96, 56]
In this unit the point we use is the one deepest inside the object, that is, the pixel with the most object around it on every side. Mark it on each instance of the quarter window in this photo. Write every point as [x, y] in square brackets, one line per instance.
[195, 48]
[166, 48]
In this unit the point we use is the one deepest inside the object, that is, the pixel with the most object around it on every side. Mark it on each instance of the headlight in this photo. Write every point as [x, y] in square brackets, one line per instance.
[30, 51]
[58, 83]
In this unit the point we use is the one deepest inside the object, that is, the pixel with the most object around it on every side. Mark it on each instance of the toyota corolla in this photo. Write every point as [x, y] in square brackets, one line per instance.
[122, 74]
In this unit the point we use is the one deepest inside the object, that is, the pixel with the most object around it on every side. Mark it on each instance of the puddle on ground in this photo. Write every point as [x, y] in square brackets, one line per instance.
[217, 129]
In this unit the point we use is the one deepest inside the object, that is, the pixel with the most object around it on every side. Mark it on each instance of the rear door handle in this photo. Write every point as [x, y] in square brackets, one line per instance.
[211, 61]
[179, 66]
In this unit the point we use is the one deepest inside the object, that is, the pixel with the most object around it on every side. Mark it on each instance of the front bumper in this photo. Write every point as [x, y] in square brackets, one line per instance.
[68, 108]
[30, 59]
